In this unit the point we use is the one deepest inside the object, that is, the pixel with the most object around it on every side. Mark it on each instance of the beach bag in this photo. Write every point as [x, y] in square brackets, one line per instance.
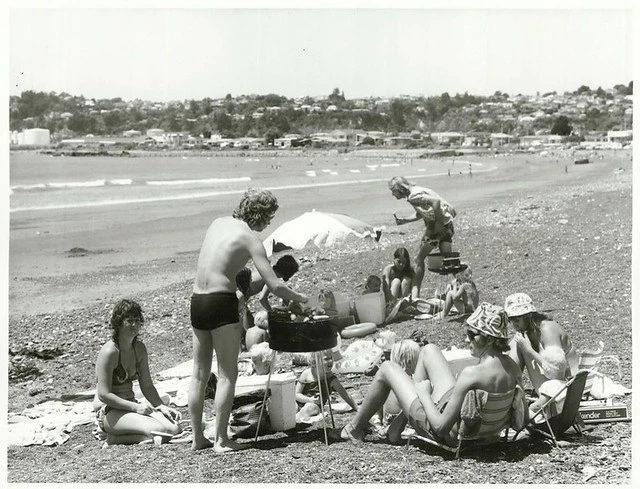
[245, 413]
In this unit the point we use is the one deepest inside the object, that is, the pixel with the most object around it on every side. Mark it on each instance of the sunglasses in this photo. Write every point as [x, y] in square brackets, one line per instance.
[471, 334]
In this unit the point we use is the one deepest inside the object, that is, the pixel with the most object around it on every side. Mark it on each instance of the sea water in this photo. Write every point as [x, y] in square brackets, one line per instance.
[45, 182]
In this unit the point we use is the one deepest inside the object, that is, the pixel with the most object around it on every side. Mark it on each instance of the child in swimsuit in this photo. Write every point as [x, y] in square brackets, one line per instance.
[120, 418]
[309, 386]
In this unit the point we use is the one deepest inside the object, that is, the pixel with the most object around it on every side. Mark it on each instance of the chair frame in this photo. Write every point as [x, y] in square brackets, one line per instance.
[502, 432]
[575, 384]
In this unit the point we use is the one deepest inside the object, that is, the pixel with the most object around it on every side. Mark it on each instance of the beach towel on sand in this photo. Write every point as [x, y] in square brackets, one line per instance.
[359, 357]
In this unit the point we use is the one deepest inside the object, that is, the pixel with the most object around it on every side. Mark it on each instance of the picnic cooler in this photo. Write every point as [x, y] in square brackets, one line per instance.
[281, 405]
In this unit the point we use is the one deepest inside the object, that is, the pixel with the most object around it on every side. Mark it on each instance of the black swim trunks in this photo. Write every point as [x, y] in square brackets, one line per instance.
[211, 311]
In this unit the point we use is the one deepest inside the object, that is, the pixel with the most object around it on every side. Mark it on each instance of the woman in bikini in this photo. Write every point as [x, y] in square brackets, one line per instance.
[122, 360]
[397, 277]
[433, 401]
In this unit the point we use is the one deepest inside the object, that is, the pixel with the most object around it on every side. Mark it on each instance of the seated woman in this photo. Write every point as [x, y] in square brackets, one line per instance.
[309, 386]
[432, 404]
[534, 333]
[121, 360]
[398, 276]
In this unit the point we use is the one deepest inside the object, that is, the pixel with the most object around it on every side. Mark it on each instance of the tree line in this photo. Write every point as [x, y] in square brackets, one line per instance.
[272, 115]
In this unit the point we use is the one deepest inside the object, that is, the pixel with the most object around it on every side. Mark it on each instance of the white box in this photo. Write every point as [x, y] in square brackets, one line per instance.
[459, 359]
[281, 405]
[371, 308]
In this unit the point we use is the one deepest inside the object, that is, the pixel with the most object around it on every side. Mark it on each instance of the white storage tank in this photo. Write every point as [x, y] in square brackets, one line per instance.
[37, 137]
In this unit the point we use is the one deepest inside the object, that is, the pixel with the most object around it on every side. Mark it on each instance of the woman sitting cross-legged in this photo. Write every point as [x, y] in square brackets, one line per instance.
[121, 360]
[432, 404]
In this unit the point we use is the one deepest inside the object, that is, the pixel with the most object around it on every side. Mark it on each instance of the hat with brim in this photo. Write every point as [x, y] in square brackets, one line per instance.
[490, 320]
[518, 304]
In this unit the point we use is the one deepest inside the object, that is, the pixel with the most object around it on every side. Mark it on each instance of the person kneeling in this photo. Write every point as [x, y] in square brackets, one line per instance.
[122, 360]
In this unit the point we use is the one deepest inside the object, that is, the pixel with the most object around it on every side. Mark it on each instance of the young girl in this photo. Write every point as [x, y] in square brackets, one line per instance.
[122, 360]
[462, 293]
[397, 278]
[309, 386]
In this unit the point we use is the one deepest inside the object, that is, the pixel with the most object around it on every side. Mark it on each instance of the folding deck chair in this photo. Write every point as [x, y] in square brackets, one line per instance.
[591, 361]
[556, 425]
[495, 416]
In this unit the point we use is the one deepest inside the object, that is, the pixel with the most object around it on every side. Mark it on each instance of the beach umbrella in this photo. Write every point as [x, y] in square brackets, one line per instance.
[324, 229]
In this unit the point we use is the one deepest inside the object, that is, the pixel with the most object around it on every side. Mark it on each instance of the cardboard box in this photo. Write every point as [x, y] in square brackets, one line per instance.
[603, 412]
[281, 405]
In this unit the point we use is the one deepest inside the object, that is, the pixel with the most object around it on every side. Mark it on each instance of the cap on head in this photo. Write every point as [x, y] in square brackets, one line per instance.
[518, 304]
[490, 320]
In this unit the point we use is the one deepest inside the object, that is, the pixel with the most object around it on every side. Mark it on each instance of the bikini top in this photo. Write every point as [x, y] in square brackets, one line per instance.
[120, 375]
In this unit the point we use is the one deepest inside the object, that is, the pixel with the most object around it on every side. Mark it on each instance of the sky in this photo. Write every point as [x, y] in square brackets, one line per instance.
[172, 53]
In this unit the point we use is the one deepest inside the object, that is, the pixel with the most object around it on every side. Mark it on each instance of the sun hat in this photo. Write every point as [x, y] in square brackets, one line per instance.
[490, 320]
[518, 304]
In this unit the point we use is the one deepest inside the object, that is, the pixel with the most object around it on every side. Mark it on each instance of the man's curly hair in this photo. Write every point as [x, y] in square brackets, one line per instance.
[125, 308]
[255, 207]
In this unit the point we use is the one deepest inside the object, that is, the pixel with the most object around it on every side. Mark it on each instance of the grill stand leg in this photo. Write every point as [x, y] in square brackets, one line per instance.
[266, 391]
[324, 421]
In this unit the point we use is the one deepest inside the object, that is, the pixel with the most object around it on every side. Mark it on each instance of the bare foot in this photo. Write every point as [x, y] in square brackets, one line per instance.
[201, 443]
[225, 446]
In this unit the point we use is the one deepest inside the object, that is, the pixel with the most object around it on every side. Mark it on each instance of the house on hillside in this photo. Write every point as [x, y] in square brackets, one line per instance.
[447, 137]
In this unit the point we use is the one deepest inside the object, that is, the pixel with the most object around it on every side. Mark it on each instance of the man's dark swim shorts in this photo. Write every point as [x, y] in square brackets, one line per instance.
[211, 311]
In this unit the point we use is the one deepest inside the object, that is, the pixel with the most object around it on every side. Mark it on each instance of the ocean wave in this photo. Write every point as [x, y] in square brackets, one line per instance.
[203, 181]
[90, 183]
[120, 181]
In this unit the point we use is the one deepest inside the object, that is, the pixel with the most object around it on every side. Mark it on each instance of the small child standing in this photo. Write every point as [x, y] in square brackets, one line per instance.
[309, 386]
[554, 367]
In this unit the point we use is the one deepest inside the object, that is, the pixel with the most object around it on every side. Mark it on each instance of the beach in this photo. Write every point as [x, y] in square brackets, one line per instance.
[538, 224]
[166, 224]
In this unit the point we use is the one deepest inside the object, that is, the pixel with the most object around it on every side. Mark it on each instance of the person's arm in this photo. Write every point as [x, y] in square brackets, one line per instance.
[276, 286]
[146, 384]
[264, 298]
[386, 282]
[404, 220]
[105, 365]
[342, 392]
[537, 404]
[524, 343]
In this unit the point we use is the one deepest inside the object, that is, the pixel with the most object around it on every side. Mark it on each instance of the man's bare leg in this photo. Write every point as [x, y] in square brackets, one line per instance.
[202, 353]
[226, 342]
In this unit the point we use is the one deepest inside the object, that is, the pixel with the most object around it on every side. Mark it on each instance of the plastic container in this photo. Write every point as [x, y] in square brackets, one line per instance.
[343, 304]
[443, 260]
[281, 405]
[371, 308]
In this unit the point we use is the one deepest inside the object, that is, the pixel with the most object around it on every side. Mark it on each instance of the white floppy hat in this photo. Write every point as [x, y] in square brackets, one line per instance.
[518, 304]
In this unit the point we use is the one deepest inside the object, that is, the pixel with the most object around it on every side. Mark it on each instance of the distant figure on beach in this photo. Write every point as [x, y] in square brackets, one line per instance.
[120, 418]
[462, 293]
[397, 278]
[438, 217]
[230, 242]
[534, 333]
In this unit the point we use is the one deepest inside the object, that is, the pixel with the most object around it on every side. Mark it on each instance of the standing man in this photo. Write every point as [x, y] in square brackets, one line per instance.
[438, 216]
[229, 244]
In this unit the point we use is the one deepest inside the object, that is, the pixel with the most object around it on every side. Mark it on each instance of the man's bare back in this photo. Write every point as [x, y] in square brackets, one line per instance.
[224, 253]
